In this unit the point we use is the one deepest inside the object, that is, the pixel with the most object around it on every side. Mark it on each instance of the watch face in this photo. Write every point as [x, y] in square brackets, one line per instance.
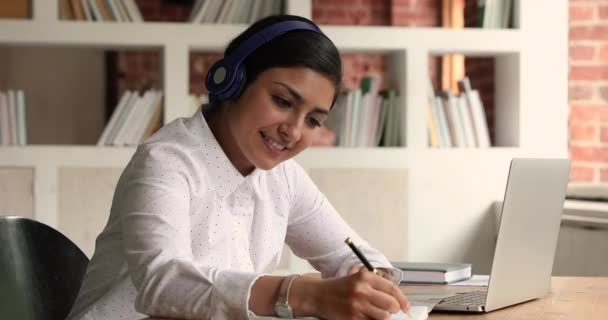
[283, 310]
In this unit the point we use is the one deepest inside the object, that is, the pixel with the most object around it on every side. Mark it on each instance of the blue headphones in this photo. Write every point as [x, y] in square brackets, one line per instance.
[226, 77]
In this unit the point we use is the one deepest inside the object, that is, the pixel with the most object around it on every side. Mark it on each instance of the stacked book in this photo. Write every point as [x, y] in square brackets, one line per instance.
[13, 130]
[100, 10]
[134, 119]
[433, 272]
[233, 11]
[366, 117]
[457, 121]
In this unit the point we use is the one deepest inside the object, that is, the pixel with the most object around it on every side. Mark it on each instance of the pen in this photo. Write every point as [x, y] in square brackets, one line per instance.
[366, 263]
[360, 255]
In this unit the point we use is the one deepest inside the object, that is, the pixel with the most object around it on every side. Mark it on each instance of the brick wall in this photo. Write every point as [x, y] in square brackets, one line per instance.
[588, 90]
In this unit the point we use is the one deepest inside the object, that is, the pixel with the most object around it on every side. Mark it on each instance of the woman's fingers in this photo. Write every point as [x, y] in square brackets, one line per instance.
[391, 289]
[374, 312]
[355, 269]
[384, 301]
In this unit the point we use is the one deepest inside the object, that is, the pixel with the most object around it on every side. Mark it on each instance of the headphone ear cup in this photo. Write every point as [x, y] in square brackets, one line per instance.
[219, 79]
[240, 85]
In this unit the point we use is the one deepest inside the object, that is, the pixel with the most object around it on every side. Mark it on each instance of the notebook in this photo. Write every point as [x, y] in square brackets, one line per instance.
[432, 272]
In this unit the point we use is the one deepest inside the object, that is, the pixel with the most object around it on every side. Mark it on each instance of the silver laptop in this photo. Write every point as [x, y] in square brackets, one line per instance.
[527, 238]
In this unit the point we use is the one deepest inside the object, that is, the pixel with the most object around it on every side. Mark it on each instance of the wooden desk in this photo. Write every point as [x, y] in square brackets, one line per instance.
[570, 298]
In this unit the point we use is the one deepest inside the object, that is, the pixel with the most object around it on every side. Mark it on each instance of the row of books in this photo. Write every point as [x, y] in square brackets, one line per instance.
[134, 119]
[100, 10]
[366, 117]
[498, 14]
[233, 11]
[13, 130]
[457, 121]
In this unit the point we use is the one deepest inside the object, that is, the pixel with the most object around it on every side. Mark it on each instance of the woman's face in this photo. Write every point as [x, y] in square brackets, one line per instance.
[276, 117]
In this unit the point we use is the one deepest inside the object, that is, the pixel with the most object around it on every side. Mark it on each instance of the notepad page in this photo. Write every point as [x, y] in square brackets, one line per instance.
[417, 312]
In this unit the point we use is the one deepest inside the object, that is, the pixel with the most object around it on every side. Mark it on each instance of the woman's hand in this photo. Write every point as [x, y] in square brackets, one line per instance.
[360, 295]
[379, 271]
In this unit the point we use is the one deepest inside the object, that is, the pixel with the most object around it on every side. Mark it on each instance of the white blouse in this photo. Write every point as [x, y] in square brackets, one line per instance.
[188, 235]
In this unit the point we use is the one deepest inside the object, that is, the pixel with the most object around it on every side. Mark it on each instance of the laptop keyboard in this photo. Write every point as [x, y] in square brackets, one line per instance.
[473, 298]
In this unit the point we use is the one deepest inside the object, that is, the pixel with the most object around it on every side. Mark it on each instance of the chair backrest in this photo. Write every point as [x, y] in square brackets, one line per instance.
[40, 270]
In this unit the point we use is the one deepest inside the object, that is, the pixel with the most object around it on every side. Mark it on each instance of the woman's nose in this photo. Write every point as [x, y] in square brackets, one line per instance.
[291, 130]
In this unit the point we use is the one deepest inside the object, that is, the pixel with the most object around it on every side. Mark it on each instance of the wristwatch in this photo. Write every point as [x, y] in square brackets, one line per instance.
[282, 309]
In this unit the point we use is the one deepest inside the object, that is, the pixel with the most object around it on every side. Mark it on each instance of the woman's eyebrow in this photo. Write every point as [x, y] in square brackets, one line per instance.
[299, 97]
[291, 90]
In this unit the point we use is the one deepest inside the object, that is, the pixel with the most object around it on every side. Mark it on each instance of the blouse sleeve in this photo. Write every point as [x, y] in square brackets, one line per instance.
[153, 199]
[316, 232]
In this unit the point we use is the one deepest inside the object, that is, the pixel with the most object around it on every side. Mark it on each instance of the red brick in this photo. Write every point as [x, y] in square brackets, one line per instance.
[604, 134]
[318, 14]
[581, 174]
[589, 73]
[581, 52]
[603, 12]
[376, 3]
[406, 18]
[580, 92]
[400, 3]
[588, 154]
[595, 32]
[578, 13]
[604, 175]
[604, 93]
[603, 55]
[335, 13]
[583, 131]
[580, 112]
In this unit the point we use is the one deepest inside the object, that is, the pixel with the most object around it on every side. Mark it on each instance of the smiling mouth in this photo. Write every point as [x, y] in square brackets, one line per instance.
[273, 143]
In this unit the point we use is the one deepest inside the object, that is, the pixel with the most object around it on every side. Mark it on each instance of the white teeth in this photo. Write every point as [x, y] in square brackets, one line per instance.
[273, 143]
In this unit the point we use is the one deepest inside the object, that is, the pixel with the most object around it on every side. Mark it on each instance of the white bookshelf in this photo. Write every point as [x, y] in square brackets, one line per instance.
[449, 191]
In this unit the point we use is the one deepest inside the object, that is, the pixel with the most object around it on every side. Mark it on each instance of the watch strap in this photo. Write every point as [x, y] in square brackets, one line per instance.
[283, 296]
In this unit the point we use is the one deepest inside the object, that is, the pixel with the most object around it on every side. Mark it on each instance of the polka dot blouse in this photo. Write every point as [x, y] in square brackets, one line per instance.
[188, 235]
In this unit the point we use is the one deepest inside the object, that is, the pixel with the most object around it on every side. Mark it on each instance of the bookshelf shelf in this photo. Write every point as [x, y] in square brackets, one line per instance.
[347, 38]
[117, 35]
[452, 186]
[55, 156]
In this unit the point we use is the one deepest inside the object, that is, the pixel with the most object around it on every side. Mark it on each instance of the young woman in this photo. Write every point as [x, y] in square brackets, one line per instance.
[202, 210]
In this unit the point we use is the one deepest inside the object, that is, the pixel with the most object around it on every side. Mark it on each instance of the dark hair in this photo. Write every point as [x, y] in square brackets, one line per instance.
[298, 48]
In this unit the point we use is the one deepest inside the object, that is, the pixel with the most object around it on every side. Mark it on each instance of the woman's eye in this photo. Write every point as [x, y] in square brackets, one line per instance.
[281, 102]
[314, 122]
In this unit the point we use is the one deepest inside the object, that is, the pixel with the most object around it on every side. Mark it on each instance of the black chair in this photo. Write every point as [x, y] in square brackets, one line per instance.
[40, 270]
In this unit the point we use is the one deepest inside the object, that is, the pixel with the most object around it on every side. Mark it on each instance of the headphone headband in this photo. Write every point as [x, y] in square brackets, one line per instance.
[265, 35]
[226, 76]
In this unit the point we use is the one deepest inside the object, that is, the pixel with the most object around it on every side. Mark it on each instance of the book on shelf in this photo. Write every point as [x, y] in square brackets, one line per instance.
[495, 14]
[365, 116]
[134, 119]
[477, 113]
[233, 11]
[100, 10]
[433, 272]
[19, 9]
[457, 120]
[13, 124]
